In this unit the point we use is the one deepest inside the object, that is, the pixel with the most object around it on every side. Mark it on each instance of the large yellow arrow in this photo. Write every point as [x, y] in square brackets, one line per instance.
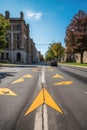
[43, 98]
[36, 103]
[50, 102]
[6, 91]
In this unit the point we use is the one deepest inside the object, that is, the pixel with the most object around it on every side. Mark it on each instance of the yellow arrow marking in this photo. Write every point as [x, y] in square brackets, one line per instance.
[50, 102]
[22, 79]
[18, 81]
[57, 76]
[64, 83]
[43, 97]
[50, 69]
[36, 103]
[6, 91]
[36, 70]
[27, 76]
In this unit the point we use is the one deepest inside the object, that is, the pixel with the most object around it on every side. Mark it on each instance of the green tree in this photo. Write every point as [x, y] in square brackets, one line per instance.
[58, 50]
[76, 34]
[55, 51]
[4, 24]
[49, 54]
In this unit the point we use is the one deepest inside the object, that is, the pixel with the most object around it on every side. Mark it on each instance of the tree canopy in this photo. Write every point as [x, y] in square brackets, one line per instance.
[49, 54]
[55, 51]
[4, 24]
[76, 34]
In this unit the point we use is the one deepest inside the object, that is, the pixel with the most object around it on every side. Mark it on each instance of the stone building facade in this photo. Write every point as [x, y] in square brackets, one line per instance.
[74, 58]
[84, 57]
[20, 47]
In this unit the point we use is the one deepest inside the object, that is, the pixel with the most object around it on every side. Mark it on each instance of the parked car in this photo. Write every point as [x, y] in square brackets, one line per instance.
[53, 63]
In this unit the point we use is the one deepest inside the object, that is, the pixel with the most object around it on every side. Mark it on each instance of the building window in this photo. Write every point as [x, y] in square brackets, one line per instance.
[2, 56]
[18, 45]
[7, 37]
[7, 56]
[18, 57]
[18, 27]
[18, 37]
[7, 45]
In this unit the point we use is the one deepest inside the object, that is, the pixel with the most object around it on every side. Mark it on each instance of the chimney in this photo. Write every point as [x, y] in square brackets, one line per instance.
[7, 14]
[21, 15]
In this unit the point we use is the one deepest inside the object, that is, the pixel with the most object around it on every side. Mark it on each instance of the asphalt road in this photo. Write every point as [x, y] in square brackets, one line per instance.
[42, 97]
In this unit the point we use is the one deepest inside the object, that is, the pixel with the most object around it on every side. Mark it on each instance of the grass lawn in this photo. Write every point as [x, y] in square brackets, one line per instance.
[76, 64]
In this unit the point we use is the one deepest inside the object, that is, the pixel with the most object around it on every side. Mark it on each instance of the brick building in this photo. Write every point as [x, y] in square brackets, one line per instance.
[20, 47]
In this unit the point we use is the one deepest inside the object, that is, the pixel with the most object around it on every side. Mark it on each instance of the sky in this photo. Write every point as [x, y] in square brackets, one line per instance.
[48, 19]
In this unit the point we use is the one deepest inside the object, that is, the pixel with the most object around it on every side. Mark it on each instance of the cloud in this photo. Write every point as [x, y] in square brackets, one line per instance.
[33, 15]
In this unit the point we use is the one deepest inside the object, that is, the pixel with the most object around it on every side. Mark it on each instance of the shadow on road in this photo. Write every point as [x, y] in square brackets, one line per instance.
[5, 74]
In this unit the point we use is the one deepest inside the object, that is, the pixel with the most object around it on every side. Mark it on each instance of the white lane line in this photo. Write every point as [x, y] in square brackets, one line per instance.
[45, 117]
[43, 76]
[38, 119]
[41, 122]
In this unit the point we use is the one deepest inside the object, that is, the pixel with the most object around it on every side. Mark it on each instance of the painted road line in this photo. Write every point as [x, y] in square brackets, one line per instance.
[18, 81]
[50, 69]
[38, 119]
[36, 70]
[57, 76]
[43, 98]
[43, 76]
[63, 83]
[36, 103]
[50, 102]
[6, 91]
[45, 118]
[22, 79]
[44, 107]
[27, 76]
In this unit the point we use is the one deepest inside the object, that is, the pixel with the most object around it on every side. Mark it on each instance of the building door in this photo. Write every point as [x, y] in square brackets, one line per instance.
[18, 56]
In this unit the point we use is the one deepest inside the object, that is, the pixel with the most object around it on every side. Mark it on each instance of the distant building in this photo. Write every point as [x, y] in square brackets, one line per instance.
[20, 48]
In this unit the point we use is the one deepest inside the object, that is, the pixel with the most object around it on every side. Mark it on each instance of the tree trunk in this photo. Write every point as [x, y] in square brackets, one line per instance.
[60, 57]
[81, 57]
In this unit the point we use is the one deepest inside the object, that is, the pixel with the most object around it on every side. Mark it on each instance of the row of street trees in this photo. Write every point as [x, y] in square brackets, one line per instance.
[4, 24]
[75, 39]
[55, 50]
[76, 35]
